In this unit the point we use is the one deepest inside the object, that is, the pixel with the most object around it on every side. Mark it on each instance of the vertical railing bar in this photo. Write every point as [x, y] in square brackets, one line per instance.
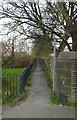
[20, 86]
[7, 85]
[3, 81]
[16, 85]
[10, 86]
[13, 86]
[4, 87]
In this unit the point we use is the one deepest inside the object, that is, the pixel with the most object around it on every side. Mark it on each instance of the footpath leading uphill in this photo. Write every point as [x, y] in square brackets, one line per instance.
[38, 104]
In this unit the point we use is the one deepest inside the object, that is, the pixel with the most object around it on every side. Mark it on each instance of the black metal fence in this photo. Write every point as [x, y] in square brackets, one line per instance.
[10, 85]
[13, 85]
[24, 76]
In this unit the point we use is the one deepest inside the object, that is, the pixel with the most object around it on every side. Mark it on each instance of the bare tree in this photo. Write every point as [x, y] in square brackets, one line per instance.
[69, 12]
[38, 21]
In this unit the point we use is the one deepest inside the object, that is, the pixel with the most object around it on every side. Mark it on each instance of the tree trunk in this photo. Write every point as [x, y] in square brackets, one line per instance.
[63, 44]
[13, 48]
[74, 42]
[61, 48]
[73, 31]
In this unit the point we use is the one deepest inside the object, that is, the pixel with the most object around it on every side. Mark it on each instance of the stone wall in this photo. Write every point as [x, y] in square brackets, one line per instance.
[48, 66]
[66, 76]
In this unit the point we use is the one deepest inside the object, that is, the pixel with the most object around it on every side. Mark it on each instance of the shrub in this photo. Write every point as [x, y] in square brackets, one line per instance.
[23, 62]
[16, 62]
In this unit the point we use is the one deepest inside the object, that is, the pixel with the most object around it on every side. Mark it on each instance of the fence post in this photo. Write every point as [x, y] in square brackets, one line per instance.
[13, 86]
[16, 84]
[20, 86]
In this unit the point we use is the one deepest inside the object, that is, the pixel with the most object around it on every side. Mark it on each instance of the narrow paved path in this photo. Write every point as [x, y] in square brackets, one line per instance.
[38, 104]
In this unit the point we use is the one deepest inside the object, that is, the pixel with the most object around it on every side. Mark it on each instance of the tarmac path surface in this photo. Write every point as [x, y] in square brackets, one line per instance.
[38, 104]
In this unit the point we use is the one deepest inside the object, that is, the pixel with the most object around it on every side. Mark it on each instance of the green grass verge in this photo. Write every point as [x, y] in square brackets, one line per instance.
[17, 71]
[6, 99]
[70, 104]
[46, 76]
[48, 81]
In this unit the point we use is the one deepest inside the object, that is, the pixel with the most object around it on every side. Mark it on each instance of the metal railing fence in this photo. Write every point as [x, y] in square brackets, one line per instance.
[13, 85]
[10, 85]
[24, 76]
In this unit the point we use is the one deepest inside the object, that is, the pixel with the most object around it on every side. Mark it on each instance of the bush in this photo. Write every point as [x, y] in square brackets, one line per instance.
[23, 62]
[7, 61]
[16, 62]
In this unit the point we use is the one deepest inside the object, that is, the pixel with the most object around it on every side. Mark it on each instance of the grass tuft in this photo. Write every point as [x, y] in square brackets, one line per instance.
[54, 100]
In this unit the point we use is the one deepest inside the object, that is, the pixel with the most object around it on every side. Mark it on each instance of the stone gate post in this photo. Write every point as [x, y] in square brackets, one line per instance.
[66, 76]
